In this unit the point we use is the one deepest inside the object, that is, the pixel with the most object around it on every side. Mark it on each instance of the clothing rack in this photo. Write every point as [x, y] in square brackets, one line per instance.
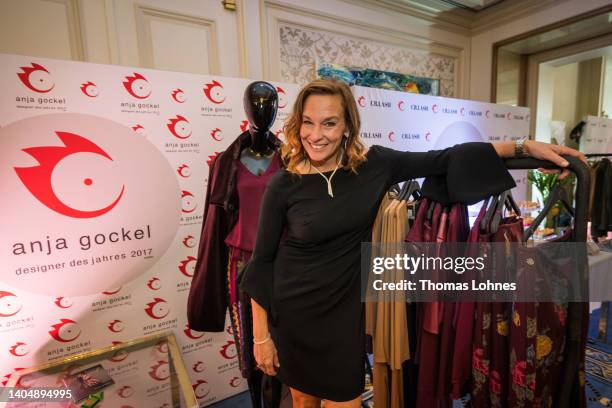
[577, 312]
[598, 154]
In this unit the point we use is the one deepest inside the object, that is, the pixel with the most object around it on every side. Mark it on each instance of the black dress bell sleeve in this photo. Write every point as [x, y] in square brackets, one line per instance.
[465, 173]
[257, 277]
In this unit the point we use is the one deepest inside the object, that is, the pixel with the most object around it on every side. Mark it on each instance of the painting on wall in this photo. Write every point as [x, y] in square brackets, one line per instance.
[374, 78]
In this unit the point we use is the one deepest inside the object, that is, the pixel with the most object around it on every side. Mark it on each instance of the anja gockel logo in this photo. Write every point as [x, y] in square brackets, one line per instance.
[37, 179]
[65, 331]
[81, 187]
[214, 92]
[201, 389]
[179, 127]
[9, 304]
[137, 85]
[90, 89]
[37, 78]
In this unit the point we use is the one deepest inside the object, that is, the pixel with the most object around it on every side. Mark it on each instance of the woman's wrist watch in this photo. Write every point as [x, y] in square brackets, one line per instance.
[519, 148]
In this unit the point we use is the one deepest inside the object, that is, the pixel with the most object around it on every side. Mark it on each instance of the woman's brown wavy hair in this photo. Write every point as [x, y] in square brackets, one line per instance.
[293, 152]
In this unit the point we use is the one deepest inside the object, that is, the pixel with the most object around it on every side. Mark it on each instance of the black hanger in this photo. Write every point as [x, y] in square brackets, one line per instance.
[557, 194]
[411, 188]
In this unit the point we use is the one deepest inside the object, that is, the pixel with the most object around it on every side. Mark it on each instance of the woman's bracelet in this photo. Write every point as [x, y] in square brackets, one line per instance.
[258, 342]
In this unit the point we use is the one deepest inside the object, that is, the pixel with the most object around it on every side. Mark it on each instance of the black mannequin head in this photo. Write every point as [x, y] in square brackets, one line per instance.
[260, 106]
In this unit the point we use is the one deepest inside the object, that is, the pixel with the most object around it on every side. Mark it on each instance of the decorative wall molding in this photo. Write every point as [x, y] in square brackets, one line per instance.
[145, 14]
[75, 35]
[382, 47]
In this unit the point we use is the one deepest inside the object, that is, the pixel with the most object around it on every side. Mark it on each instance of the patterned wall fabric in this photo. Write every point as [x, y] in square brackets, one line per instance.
[301, 48]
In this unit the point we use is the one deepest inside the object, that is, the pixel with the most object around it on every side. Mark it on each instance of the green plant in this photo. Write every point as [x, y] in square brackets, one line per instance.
[544, 183]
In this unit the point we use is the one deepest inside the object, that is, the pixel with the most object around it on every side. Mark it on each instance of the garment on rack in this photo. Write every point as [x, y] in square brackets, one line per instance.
[386, 319]
[601, 204]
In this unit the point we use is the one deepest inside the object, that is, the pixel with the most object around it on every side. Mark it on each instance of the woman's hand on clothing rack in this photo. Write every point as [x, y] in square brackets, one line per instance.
[542, 151]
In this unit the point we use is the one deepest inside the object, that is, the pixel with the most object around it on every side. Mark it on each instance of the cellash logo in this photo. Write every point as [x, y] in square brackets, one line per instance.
[19, 349]
[187, 266]
[137, 86]
[188, 202]
[434, 108]
[160, 371]
[201, 389]
[90, 89]
[427, 136]
[125, 392]
[192, 334]
[118, 355]
[211, 158]
[178, 95]
[461, 111]
[179, 127]
[391, 136]
[65, 331]
[138, 128]
[228, 350]
[157, 309]
[488, 114]
[37, 78]
[282, 97]
[508, 116]
[189, 241]
[214, 92]
[112, 291]
[154, 284]
[162, 347]
[198, 366]
[63, 303]
[216, 134]
[116, 326]
[244, 125]
[361, 101]
[184, 170]
[9, 304]
[38, 179]
[235, 382]
[400, 105]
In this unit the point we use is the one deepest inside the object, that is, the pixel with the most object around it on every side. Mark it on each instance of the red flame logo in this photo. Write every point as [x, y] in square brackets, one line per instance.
[391, 136]
[400, 105]
[119, 355]
[162, 347]
[63, 302]
[188, 241]
[198, 367]
[138, 128]
[192, 334]
[461, 111]
[179, 127]
[37, 179]
[361, 101]
[211, 158]
[235, 382]
[201, 389]
[434, 108]
[282, 102]
[112, 291]
[90, 89]
[184, 171]
[116, 326]
[178, 95]
[158, 309]
[160, 371]
[216, 134]
[125, 392]
[487, 114]
[137, 86]
[427, 136]
[188, 202]
[18, 351]
[187, 266]
[228, 350]
[37, 78]
[9, 305]
[244, 125]
[214, 92]
[154, 284]
[65, 331]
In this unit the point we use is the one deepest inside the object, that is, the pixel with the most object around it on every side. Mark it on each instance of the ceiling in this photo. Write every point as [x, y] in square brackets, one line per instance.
[473, 5]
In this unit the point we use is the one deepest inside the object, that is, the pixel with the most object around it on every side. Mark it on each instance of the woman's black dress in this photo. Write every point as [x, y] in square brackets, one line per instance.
[309, 282]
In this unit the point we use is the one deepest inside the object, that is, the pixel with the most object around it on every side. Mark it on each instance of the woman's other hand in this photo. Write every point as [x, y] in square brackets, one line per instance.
[552, 153]
[266, 356]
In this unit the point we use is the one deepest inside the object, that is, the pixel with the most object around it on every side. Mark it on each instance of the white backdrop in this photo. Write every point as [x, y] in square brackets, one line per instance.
[103, 177]
[597, 135]
[407, 121]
